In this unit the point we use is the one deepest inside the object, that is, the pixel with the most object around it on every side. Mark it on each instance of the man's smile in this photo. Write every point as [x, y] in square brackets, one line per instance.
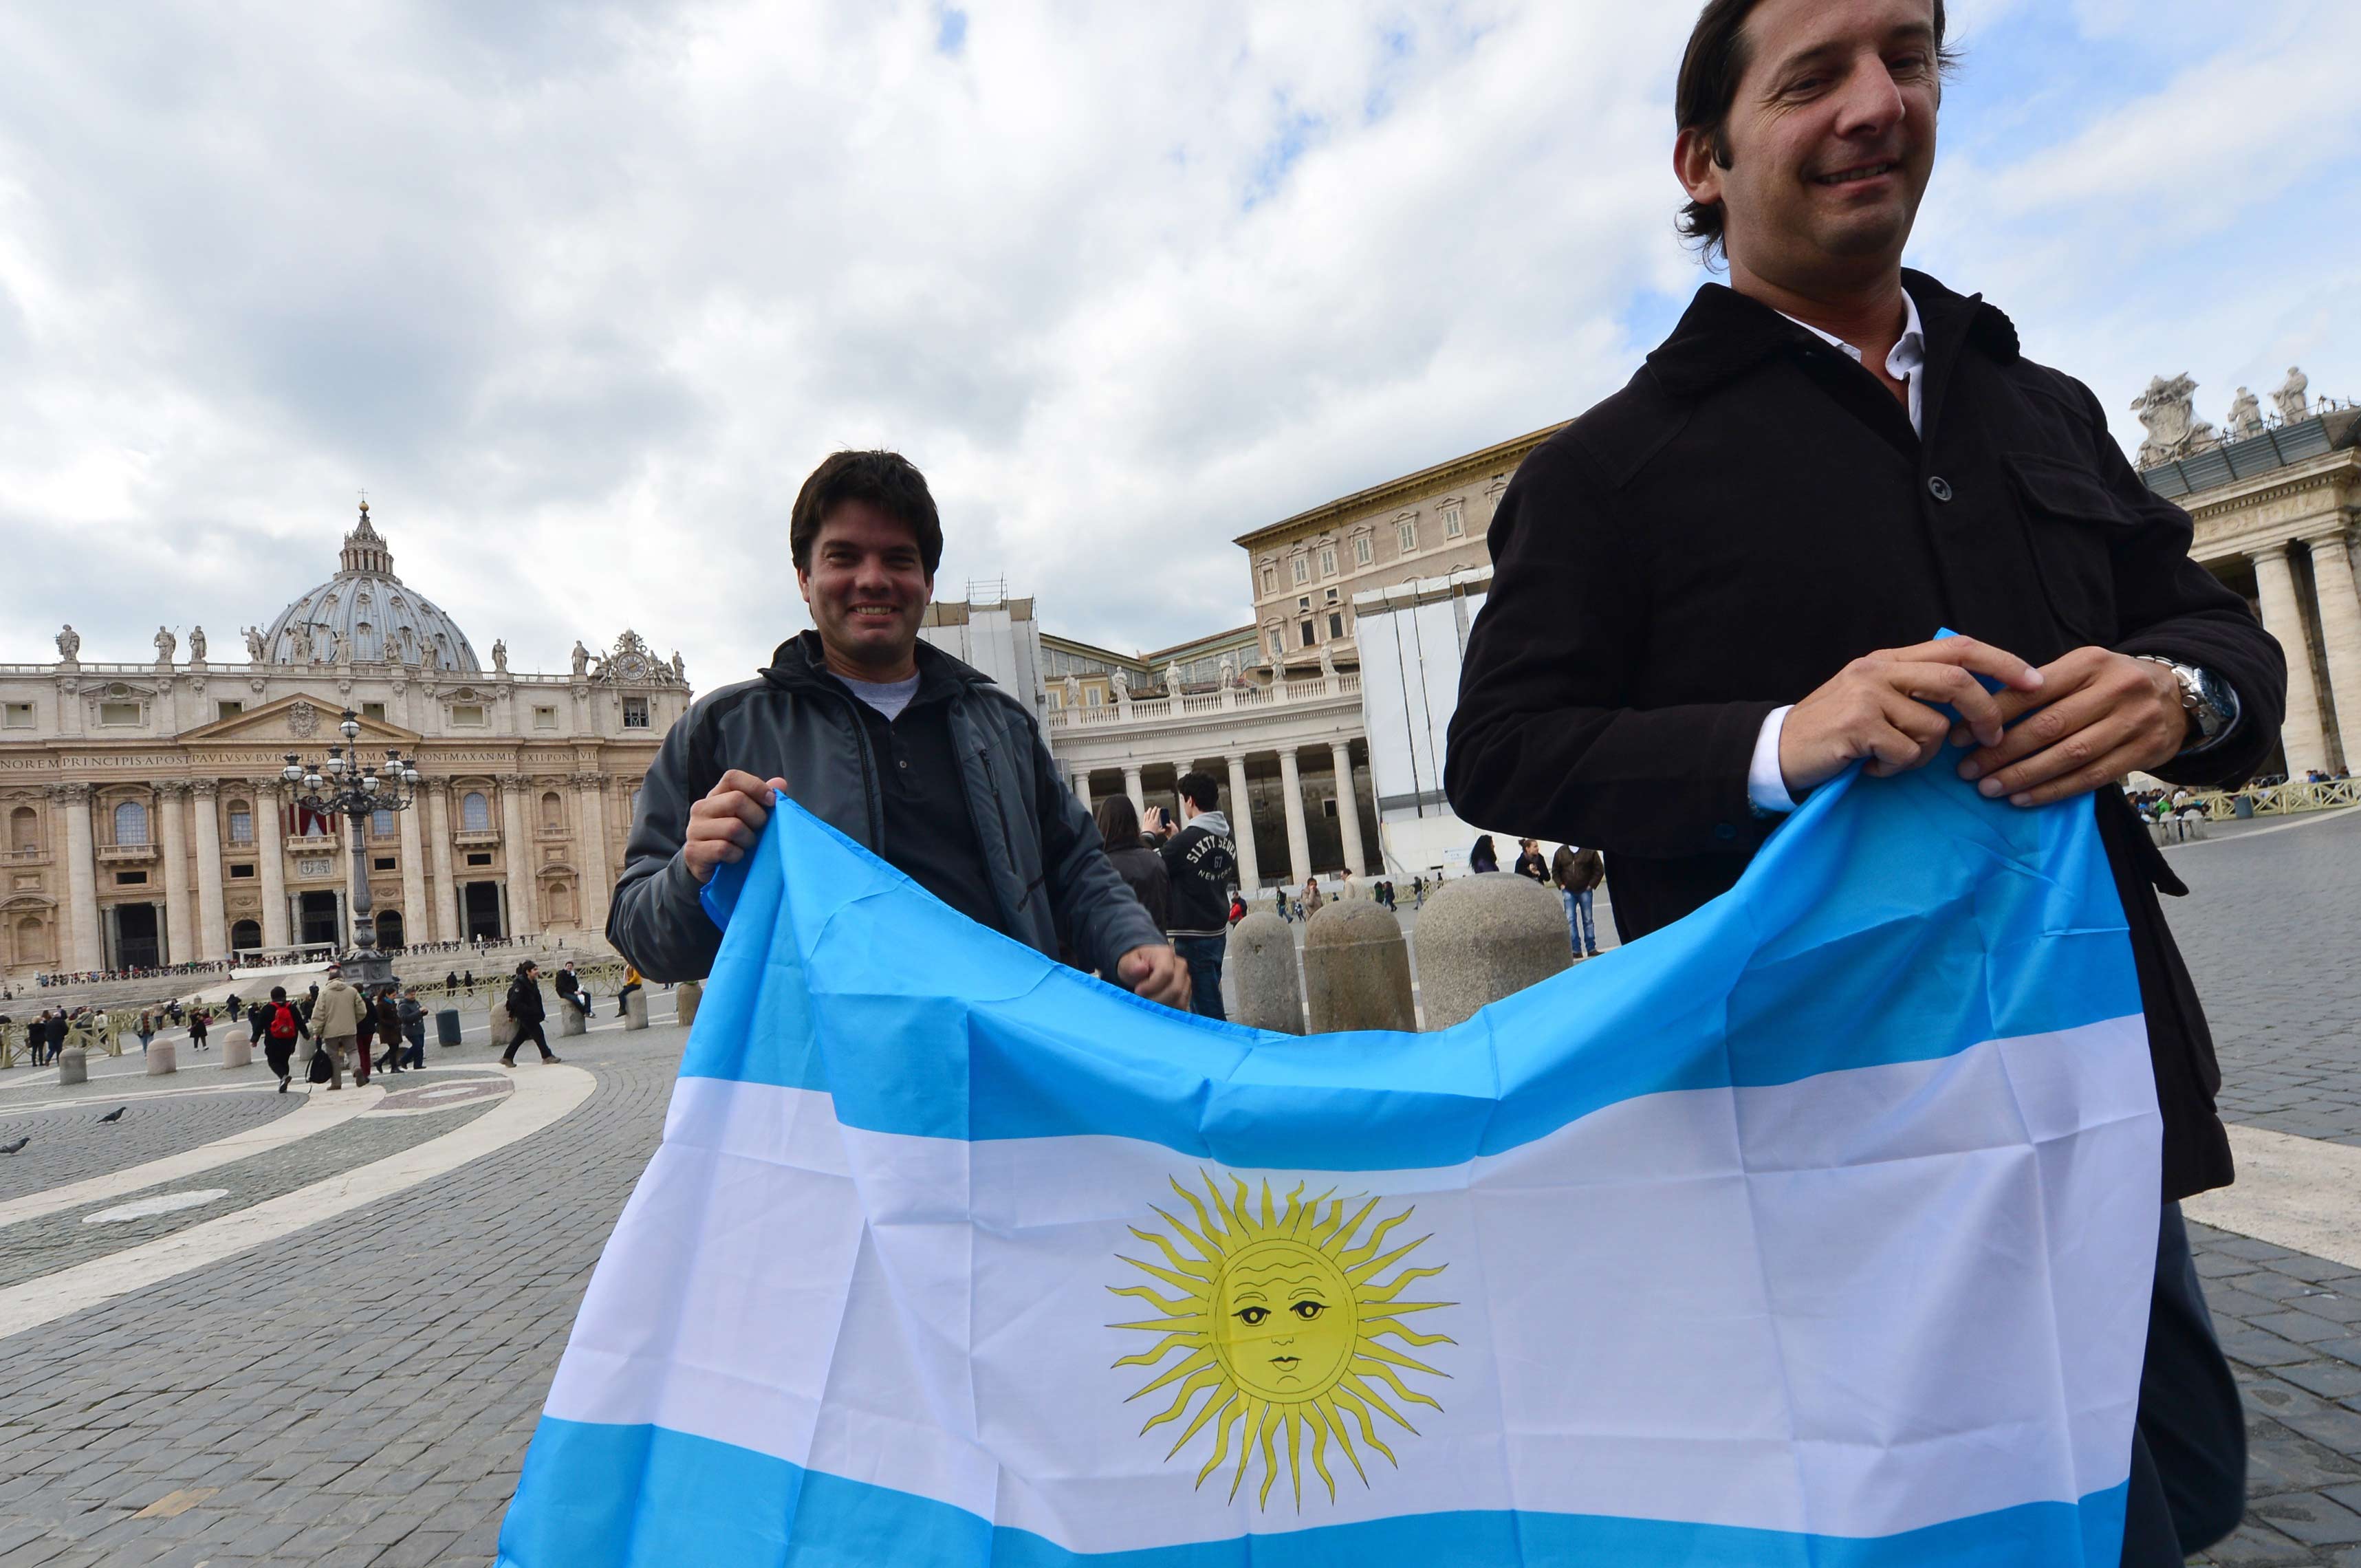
[1858, 173]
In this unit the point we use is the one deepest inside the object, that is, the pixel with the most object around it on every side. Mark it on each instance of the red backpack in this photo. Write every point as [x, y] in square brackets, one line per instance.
[282, 1023]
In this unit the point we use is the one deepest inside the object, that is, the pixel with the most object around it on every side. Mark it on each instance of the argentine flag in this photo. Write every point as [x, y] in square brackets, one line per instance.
[1816, 1229]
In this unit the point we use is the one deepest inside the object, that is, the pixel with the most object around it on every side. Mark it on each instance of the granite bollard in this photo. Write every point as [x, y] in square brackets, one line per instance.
[1484, 937]
[503, 1028]
[161, 1057]
[1259, 959]
[687, 996]
[74, 1066]
[570, 1020]
[635, 1010]
[1356, 969]
[237, 1050]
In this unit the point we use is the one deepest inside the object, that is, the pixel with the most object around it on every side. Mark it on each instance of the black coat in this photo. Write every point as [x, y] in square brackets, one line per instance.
[524, 1001]
[1753, 513]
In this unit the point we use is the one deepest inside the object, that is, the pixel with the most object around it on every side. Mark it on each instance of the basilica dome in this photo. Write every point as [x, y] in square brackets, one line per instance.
[364, 616]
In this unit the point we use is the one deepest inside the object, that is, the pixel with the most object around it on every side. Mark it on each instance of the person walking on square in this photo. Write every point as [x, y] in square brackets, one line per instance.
[1577, 873]
[412, 1017]
[1201, 857]
[525, 1014]
[146, 1031]
[1716, 591]
[278, 1025]
[336, 1018]
[197, 1025]
[388, 1015]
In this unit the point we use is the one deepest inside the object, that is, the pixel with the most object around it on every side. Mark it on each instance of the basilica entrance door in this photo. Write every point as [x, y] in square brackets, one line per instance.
[483, 910]
[317, 913]
[137, 942]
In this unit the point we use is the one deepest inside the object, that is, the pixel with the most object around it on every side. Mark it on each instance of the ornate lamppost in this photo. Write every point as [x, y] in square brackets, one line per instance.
[342, 786]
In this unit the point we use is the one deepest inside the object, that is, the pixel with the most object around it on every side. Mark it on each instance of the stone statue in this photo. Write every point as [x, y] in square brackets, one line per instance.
[196, 645]
[1073, 690]
[301, 640]
[165, 643]
[1229, 671]
[1172, 679]
[2294, 407]
[679, 670]
[1327, 659]
[1122, 679]
[2246, 415]
[70, 645]
[2168, 412]
[581, 660]
[255, 648]
[501, 656]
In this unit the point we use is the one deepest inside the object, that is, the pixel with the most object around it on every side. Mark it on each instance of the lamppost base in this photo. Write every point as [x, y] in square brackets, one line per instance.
[367, 967]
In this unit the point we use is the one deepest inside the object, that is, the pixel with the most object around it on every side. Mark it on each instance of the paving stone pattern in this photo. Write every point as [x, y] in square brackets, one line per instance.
[70, 1144]
[357, 1393]
[34, 1247]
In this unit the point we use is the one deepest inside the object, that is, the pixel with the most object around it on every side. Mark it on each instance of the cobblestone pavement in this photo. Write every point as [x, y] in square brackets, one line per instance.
[363, 1392]
[68, 1142]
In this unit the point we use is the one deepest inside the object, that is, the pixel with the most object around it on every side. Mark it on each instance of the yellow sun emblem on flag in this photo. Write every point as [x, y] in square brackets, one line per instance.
[1276, 1324]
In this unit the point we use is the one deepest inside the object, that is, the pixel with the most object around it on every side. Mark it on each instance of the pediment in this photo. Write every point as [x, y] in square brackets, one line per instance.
[302, 722]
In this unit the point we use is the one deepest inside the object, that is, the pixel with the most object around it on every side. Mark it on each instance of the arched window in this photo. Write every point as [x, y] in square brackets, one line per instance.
[130, 823]
[246, 936]
[474, 813]
[553, 810]
[389, 929]
[381, 824]
[24, 829]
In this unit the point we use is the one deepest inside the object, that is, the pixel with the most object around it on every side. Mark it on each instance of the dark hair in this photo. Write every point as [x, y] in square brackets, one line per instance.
[887, 480]
[278, 994]
[521, 968]
[1202, 792]
[1716, 57]
[1118, 822]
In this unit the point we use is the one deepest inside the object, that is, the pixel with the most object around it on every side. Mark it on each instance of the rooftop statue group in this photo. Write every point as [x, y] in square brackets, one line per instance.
[320, 644]
[2168, 412]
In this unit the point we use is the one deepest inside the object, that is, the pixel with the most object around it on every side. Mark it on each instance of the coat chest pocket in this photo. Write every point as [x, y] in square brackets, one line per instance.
[2072, 526]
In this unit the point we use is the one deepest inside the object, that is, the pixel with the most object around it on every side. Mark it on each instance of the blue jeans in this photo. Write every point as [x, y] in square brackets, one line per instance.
[1578, 927]
[1203, 956]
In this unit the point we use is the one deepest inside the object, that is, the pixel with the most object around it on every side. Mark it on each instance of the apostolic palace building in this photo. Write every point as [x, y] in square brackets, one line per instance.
[142, 817]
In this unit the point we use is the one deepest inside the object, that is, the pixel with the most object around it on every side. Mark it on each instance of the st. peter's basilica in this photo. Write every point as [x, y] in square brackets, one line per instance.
[146, 822]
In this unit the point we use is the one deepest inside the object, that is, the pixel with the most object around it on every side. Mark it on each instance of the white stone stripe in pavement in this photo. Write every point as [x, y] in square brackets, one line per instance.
[542, 1095]
[316, 1114]
[2300, 1193]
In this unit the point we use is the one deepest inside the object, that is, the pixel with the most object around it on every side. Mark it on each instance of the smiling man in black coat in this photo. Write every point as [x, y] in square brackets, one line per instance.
[1716, 590]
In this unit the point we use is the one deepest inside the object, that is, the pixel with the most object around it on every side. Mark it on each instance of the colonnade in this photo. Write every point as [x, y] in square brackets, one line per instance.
[2323, 722]
[1236, 796]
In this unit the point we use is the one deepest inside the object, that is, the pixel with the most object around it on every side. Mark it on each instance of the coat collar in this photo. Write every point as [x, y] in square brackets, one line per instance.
[799, 662]
[1723, 333]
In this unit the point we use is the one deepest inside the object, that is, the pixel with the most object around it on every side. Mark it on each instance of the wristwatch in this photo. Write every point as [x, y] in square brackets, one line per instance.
[2208, 700]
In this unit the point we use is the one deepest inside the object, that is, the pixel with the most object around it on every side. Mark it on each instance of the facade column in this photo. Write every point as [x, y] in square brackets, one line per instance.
[1082, 787]
[213, 918]
[82, 878]
[524, 907]
[447, 886]
[270, 828]
[415, 924]
[1348, 808]
[1131, 788]
[1242, 825]
[2340, 633]
[1298, 840]
[2301, 735]
[172, 805]
[598, 884]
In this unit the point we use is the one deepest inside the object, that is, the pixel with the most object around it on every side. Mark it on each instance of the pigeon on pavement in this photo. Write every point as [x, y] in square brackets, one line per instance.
[116, 1114]
[12, 1148]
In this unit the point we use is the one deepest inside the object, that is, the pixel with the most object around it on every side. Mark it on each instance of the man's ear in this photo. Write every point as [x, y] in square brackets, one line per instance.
[1695, 166]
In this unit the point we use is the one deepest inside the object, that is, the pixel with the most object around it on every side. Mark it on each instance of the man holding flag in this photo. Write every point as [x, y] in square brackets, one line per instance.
[1714, 593]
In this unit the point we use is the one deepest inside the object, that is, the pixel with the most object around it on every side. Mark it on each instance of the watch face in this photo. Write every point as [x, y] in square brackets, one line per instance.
[631, 667]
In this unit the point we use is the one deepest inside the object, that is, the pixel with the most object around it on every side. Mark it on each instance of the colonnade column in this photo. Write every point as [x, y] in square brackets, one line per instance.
[415, 927]
[213, 918]
[82, 878]
[1242, 824]
[1299, 842]
[1348, 808]
[2306, 742]
[597, 886]
[446, 887]
[524, 906]
[2340, 634]
[1131, 788]
[269, 827]
[1082, 787]
[172, 805]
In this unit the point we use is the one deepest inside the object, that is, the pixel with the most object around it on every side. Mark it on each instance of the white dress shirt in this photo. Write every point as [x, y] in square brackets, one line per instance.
[1766, 782]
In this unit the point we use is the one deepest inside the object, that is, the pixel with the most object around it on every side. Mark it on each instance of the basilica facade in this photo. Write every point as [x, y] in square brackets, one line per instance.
[144, 822]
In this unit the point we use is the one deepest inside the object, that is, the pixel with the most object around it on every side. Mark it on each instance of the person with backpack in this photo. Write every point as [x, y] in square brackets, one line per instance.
[278, 1025]
[525, 1014]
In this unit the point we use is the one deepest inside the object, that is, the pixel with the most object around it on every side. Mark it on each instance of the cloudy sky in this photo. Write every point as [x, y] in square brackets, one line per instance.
[578, 290]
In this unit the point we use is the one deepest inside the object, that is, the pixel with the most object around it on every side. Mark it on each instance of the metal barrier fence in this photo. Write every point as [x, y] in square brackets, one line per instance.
[2280, 799]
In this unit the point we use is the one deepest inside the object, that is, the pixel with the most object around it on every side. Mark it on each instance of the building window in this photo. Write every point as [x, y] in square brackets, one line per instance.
[227, 710]
[1331, 596]
[1327, 560]
[1407, 533]
[480, 859]
[382, 825]
[1452, 526]
[635, 713]
[130, 823]
[1091, 697]
[1363, 551]
[468, 713]
[118, 713]
[238, 871]
[544, 718]
[373, 710]
[1057, 699]
[1336, 625]
[381, 862]
[15, 716]
[1311, 639]
[1270, 579]
[131, 878]
[241, 822]
[24, 829]
[474, 813]
[1302, 568]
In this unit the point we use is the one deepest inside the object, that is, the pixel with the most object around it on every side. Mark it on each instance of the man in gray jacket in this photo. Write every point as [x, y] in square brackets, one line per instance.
[890, 740]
